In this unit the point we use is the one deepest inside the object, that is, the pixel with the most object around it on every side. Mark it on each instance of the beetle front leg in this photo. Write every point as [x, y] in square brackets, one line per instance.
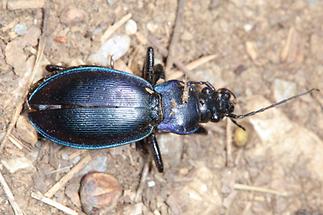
[150, 72]
[201, 130]
[206, 83]
[148, 69]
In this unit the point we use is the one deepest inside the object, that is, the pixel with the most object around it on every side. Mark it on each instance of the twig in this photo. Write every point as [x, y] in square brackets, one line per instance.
[75, 154]
[8, 26]
[23, 94]
[199, 62]
[229, 162]
[258, 189]
[176, 74]
[143, 179]
[53, 203]
[115, 27]
[15, 141]
[174, 39]
[238, 157]
[246, 209]
[61, 183]
[4, 4]
[165, 52]
[63, 169]
[10, 196]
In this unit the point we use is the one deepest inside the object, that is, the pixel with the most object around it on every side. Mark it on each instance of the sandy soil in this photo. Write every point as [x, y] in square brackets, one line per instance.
[261, 50]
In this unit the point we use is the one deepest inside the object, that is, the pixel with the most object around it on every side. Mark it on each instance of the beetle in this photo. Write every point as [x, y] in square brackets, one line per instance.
[92, 107]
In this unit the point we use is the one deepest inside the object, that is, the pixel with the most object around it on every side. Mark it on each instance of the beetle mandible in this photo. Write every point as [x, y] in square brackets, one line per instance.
[92, 107]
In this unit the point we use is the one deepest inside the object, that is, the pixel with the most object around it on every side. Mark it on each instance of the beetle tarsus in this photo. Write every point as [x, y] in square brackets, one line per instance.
[55, 68]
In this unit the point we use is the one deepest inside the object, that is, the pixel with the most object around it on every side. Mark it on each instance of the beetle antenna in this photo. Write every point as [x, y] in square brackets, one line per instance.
[234, 116]
[237, 124]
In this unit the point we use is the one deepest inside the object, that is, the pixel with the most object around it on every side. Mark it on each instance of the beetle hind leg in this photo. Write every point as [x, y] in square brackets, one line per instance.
[150, 145]
[154, 148]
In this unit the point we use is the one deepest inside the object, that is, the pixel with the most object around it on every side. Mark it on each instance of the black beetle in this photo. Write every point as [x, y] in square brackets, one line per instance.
[91, 107]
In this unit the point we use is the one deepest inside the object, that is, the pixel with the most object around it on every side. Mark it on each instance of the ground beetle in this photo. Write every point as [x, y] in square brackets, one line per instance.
[92, 107]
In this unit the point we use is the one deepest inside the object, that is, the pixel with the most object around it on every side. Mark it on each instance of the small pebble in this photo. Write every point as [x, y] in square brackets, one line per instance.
[117, 46]
[214, 4]
[251, 50]
[72, 191]
[131, 27]
[65, 156]
[151, 183]
[293, 49]
[20, 29]
[15, 51]
[23, 4]
[187, 36]
[99, 164]
[26, 131]
[152, 27]
[248, 27]
[15, 164]
[171, 152]
[316, 46]
[283, 89]
[213, 76]
[240, 137]
[312, 2]
[72, 16]
[60, 39]
[99, 193]
[189, 196]
[136, 209]
[111, 2]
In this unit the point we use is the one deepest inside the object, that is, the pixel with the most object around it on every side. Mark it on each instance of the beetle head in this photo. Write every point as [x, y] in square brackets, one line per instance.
[215, 104]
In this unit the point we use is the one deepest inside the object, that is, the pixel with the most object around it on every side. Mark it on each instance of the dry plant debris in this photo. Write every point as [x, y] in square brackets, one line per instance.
[262, 51]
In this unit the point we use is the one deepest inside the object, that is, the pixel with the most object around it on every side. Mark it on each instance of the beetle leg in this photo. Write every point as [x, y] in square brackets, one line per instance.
[154, 148]
[159, 73]
[148, 69]
[55, 68]
[206, 83]
[150, 144]
[142, 146]
[150, 72]
[111, 61]
[201, 130]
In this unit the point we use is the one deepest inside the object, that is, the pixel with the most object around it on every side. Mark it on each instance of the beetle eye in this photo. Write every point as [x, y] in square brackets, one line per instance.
[215, 117]
[226, 95]
[206, 90]
[231, 108]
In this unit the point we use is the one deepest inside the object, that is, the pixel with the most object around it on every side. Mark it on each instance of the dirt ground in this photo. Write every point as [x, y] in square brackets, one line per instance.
[261, 50]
